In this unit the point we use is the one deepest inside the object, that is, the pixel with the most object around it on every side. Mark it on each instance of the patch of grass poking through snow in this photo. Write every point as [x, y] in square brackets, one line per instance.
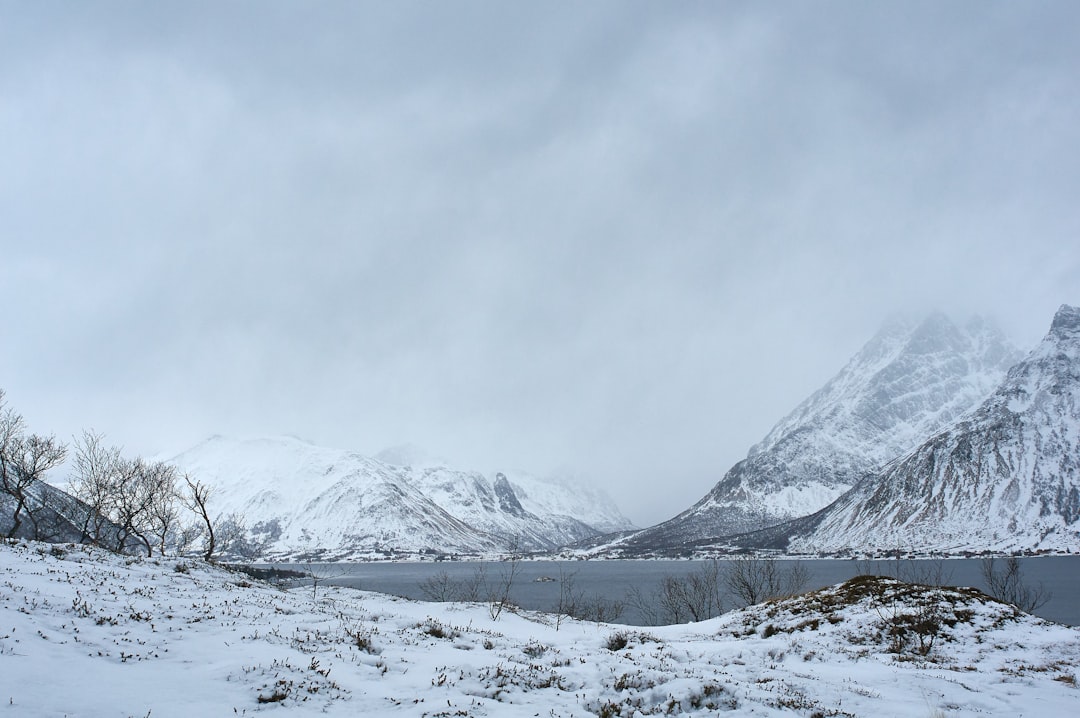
[534, 649]
[621, 639]
[907, 620]
[284, 682]
[436, 629]
[617, 641]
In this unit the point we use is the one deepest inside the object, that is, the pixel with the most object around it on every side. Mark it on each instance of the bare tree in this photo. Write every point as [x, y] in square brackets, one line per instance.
[702, 591]
[499, 595]
[473, 589]
[127, 500]
[1006, 583]
[646, 604]
[600, 609]
[197, 498]
[231, 536]
[439, 587]
[442, 587]
[570, 598]
[695, 596]
[91, 481]
[24, 460]
[45, 512]
[133, 496]
[322, 573]
[754, 579]
[185, 537]
[671, 599]
[162, 515]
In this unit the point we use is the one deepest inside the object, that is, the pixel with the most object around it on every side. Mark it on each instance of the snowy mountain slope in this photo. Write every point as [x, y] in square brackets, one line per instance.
[1005, 478]
[52, 514]
[566, 496]
[88, 633]
[557, 498]
[303, 498]
[909, 381]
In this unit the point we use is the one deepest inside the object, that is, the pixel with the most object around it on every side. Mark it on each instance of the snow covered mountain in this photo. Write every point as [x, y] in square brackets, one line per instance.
[300, 499]
[1005, 478]
[909, 381]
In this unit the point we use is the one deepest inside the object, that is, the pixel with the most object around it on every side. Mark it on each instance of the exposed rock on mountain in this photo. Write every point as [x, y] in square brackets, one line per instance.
[299, 499]
[1005, 478]
[909, 381]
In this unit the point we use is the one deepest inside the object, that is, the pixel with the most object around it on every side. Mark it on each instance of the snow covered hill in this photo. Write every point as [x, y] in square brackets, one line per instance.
[1006, 478]
[908, 382]
[88, 633]
[52, 514]
[301, 500]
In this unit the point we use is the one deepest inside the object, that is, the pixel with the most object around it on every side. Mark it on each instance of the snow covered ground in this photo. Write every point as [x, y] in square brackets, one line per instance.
[87, 633]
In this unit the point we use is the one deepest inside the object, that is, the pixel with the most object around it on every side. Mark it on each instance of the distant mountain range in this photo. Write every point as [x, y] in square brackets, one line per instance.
[929, 445]
[300, 500]
[927, 441]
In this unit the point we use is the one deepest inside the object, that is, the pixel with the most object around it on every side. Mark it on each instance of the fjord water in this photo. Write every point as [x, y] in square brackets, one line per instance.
[612, 580]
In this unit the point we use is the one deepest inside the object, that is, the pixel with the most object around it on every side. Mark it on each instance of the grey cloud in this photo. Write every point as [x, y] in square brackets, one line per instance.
[624, 238]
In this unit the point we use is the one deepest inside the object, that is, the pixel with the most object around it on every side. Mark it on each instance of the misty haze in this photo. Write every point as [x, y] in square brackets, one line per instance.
[618, 359]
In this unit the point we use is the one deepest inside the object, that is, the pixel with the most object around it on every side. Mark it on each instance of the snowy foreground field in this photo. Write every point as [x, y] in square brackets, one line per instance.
[87, 633]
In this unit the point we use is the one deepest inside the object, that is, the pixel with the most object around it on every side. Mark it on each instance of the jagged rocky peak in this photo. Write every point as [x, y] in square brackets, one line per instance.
[1005, 477]
[508, 500]
[1066, 322]
[1048, 374]
[910, 380]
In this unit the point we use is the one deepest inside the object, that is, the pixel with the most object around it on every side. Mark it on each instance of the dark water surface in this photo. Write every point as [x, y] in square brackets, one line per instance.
[612, 580]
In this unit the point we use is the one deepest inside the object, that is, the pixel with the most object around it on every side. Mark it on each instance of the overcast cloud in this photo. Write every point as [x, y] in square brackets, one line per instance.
[619, 239]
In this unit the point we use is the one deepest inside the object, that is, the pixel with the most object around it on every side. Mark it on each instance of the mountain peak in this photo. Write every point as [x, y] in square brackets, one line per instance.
[508, 500]
[1066, 321]
[912, 379]
[1006, 477]
[409, 455]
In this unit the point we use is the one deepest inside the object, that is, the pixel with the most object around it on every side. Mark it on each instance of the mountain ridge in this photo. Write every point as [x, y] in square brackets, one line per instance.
[909, 380]
[1014, 462]
[299, 499]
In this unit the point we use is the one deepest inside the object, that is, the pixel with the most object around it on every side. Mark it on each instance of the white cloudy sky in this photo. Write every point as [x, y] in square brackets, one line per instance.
[620, 238]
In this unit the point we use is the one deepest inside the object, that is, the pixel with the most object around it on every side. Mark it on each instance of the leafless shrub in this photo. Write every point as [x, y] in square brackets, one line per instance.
[535, 649]
[436, 629]
[695, 596]
[911, 617]
[570, 597]
[498, 598]
[600, 609]
[322, 573]
[752, 579]
[439, 587]
[472, 589]
[1005, 582]
[646, 604]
